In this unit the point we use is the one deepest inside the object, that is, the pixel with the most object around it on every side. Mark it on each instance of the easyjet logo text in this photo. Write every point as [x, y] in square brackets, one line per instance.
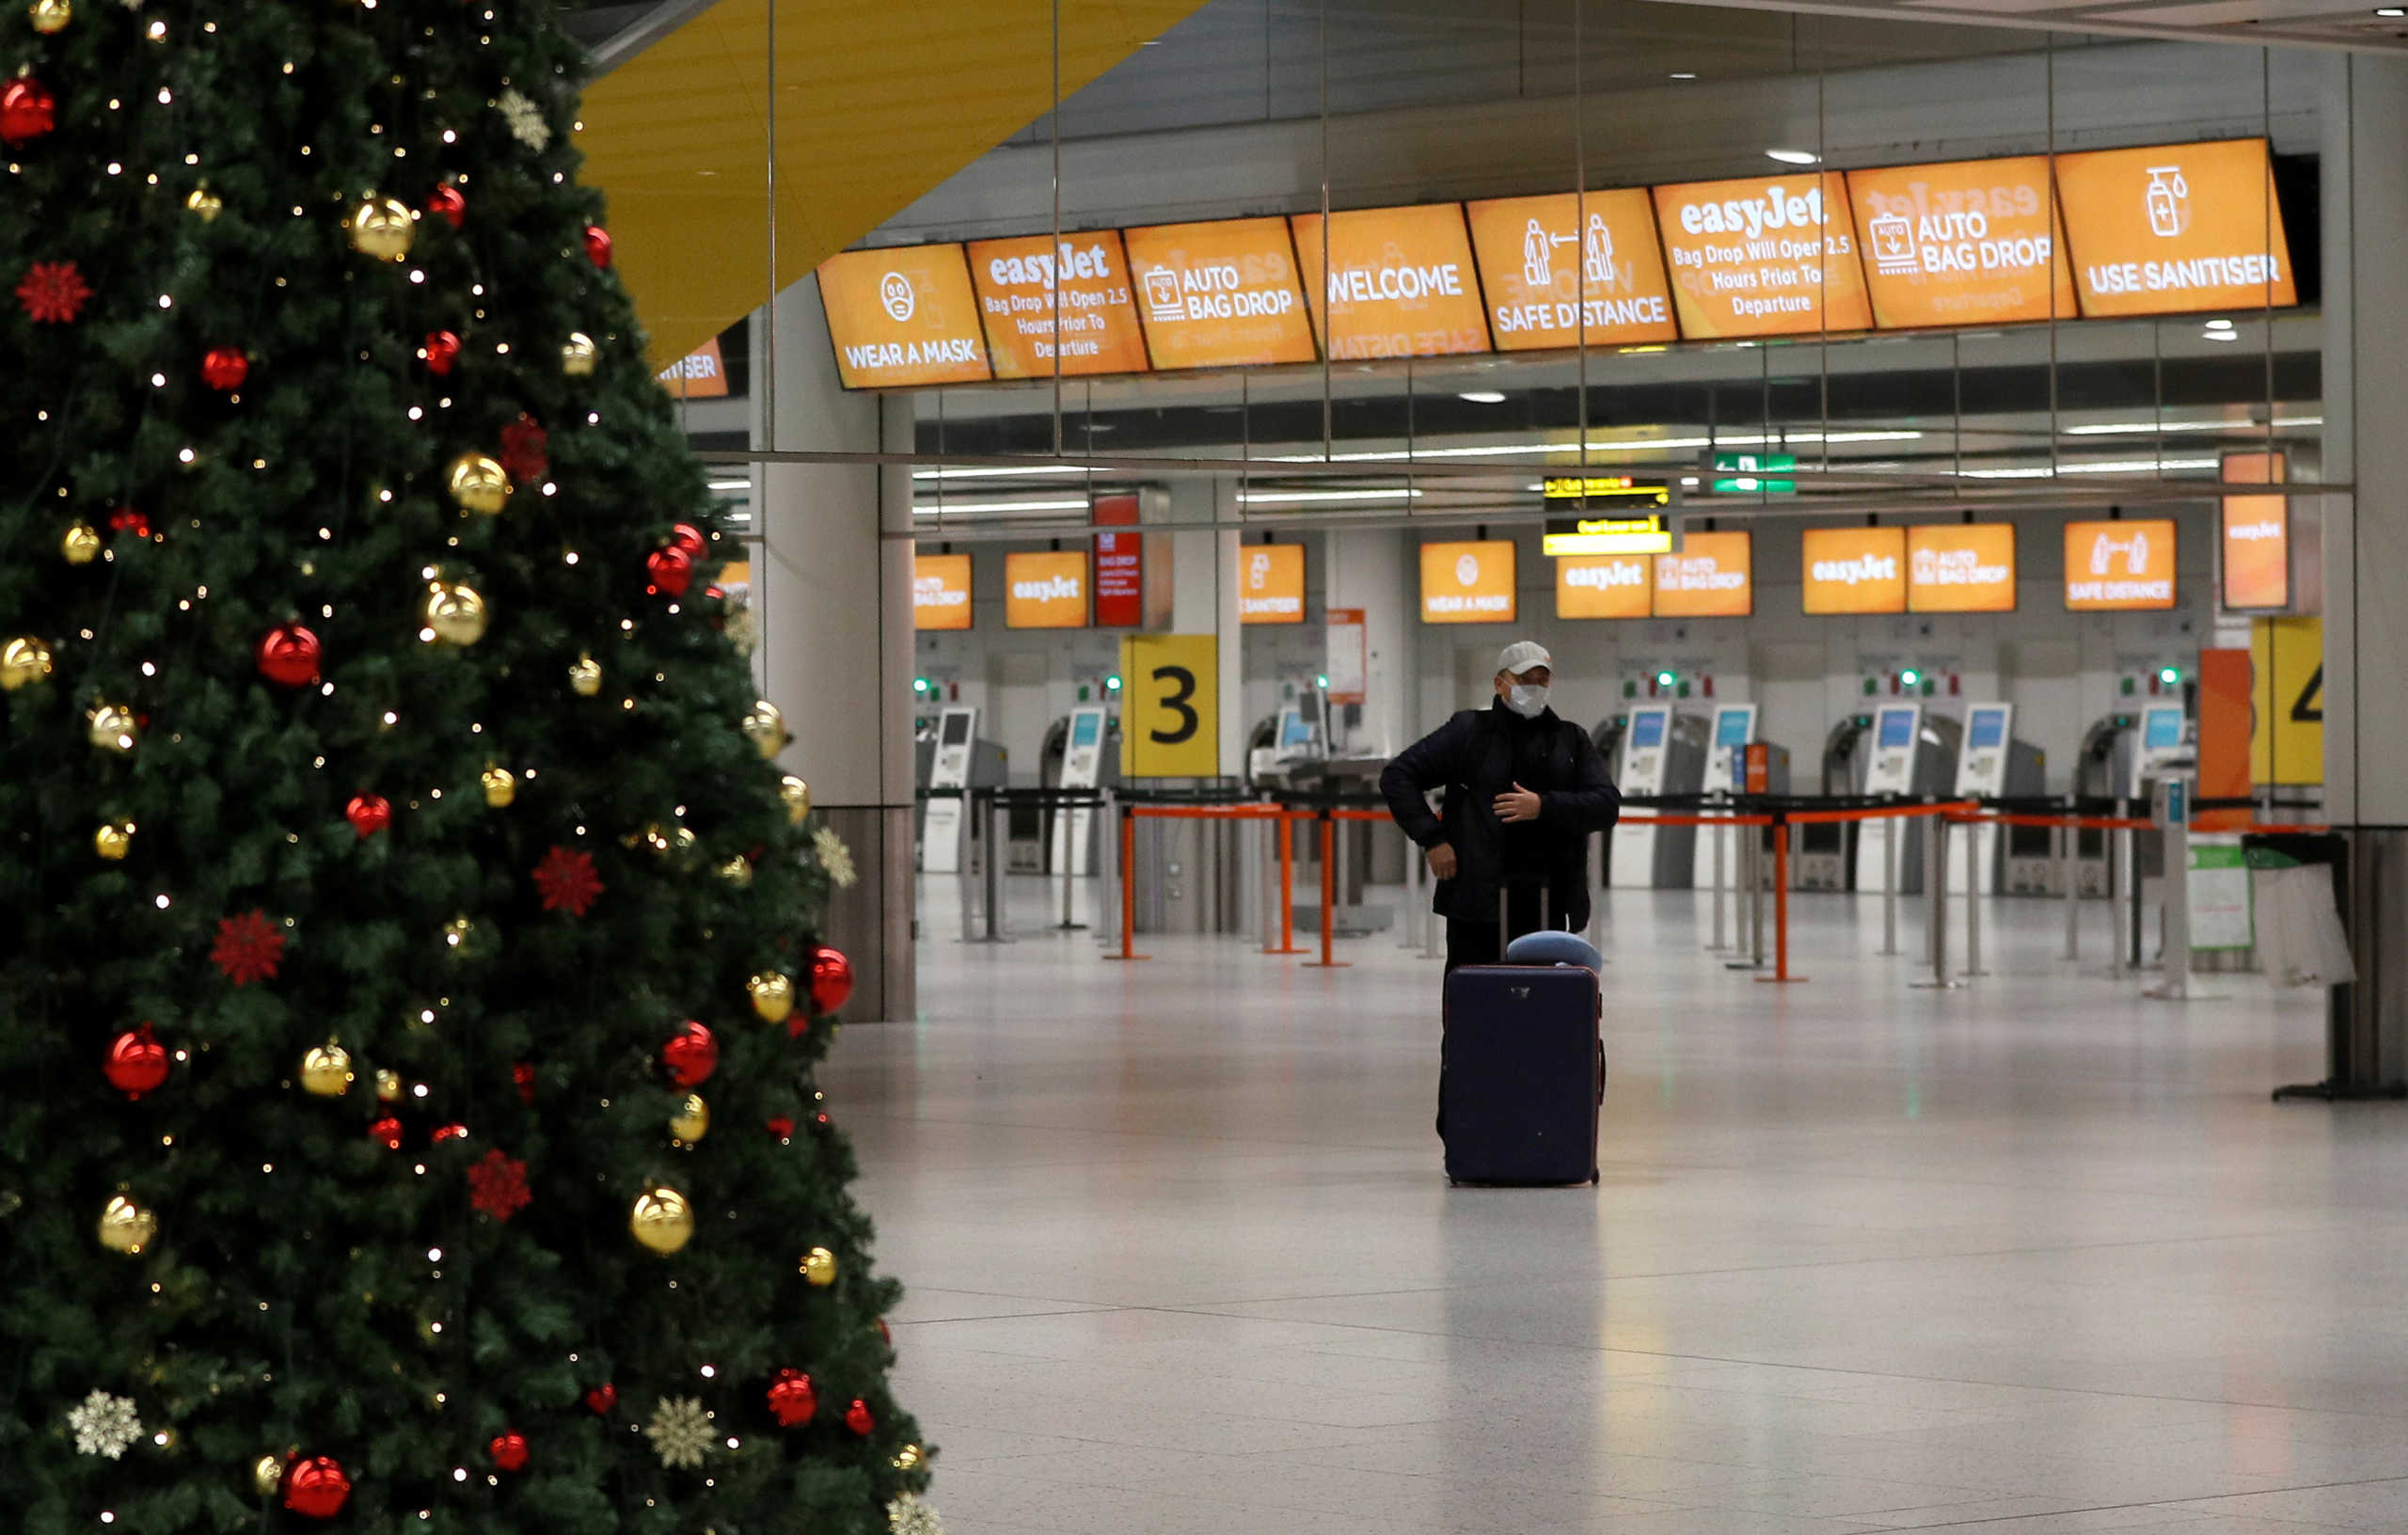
[1051, 588]
[1863, 567]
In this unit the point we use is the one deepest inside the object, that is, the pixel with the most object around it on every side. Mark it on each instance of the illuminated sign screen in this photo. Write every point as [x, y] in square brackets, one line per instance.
[2257, 535]
[1971, 242]
[1764, 256]
[1552, 275]
[1897, 729]
[1961, 568]
[2176, 227]
[2119, 566]
[1711, 575]
[1988, 730]
[1015, 282]
[1647, 728]
[1220, 295]
[1856, 570]
[1271, 583]
[700, 375]
[1605, 586]
[1605, 535]
[1401, 282]
[1046, 589]
[940, 591]
[1467, 583]
[903, 317]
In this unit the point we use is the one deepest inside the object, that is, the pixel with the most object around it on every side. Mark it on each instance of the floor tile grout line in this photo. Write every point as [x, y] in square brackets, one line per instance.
[2306, 1528]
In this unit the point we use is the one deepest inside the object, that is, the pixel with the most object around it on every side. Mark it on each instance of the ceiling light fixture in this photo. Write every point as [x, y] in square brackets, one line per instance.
[1795, 157]
[1684, 74]
[2219, 324]
[2391, 11]
[953, 509]
[1292, 498]
[1483, 397]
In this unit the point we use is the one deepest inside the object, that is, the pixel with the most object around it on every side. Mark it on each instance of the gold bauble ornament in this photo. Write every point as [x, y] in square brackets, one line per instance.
[500, 787]
[267, 1475]
[113, 840]
[382, 228]
[479, 484]
[737, 870]
[819, 1267]
[111, 727]
[23, 660]
[773, 996]
[453, 612]
[766, 728]
[585, 677]
[326, 1071]
[458, 934]
[579, 354]
[51, 16]
[909, 1458]
[388, 1087]
[661, 1220]
[692, 1120]
[81, 543]
[126, 1227]
[204, 202]
[797, 796]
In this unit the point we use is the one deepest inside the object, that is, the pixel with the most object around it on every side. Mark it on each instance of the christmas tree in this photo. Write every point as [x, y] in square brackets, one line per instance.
[409, 999]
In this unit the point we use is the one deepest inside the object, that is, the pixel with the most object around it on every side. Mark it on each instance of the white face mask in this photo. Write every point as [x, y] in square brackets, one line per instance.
[1526, 700]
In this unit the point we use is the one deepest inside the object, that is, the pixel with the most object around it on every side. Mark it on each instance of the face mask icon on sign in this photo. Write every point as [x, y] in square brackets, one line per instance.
[895, 292]
[2134, 549]
[1466, 570]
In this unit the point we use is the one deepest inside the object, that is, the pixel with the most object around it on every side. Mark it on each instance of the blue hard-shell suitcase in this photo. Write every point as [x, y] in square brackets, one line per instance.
[1522, 1074]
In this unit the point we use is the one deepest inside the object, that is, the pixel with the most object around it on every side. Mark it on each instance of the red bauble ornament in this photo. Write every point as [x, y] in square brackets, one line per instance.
[28, 111]
[385, 1133]
[316, 1488]
[858, 1419]
[598, 245]
[522, 1076]
[223, 368]
[509, 1451]
[691, 1055]
[125, 519]
[454, 1132]
[792, 1399]
[442, 349]
[831, 979]
[689, 538]
[288, 655]
[782, 1127]
[368, 814]
[671, 571]
[446, 203]
[136, 1062]
[601, 1400]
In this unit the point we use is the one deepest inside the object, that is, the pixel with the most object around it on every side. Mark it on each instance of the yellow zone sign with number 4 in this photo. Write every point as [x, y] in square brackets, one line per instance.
[1170, 705]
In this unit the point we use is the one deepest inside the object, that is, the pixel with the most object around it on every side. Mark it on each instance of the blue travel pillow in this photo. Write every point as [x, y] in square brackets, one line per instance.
[1553, 948]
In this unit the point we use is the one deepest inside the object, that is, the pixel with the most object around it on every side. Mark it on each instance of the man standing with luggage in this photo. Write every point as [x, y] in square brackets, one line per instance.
[1524, 789]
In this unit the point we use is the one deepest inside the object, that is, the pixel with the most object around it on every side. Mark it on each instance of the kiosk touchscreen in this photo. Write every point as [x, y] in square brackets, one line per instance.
[1980, 772]
[1735, 726]
[1898, 729]
[949, 818]
[1645, 755]
[1082, 769]
[2162, 746]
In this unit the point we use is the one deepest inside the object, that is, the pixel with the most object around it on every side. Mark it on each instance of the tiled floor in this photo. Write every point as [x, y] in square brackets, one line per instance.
[2034, 1256]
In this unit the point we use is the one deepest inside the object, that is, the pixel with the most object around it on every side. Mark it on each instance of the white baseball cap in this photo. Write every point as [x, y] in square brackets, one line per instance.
[1522, 655]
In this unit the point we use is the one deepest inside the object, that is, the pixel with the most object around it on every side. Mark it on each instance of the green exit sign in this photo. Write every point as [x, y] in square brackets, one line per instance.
[1749, 485]
[1753, 463]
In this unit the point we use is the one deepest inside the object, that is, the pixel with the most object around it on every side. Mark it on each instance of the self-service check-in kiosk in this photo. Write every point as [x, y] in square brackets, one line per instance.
[1735, 726]
[1992, 763]
[1898, 734]
[2164, 744]
[1662, 752]
[963, 762]
[1073, 841]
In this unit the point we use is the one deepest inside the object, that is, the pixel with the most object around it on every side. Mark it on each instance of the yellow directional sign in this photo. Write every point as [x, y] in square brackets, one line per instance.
[1170, 705]
[2287, 701]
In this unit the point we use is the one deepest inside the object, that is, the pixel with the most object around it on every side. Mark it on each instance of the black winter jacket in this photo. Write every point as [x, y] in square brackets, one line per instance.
[1471, 757]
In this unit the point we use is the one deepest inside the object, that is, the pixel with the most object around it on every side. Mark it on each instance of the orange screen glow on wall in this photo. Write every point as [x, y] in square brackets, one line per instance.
[1401, 285]
[1467, 583]
[1961, 568]
[903, 317]
[2116, 566]
[1751, 257]
[1271, 583]
[1605, 586]
[1014, 279]
[1856, 570]
[2257, 535]
[1711, 576]
[2177, 227]
[1548, 272]
[1046, 590]
[1220, 295]
[940, 591]
[1972, 242]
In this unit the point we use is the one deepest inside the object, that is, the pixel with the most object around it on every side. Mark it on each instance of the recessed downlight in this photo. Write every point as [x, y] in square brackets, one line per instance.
[1483, 397]
[1684, 74]
[1795, 157]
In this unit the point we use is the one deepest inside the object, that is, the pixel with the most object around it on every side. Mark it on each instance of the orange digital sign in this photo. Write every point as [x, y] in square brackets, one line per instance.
[1764, 256]
[903, 317]
[1856, 570]
[1220, 295]
[2257, 535]
[1711, 575]
[1467, 583]
[940, 591]
[1551, 274]
[1605, 586]
[1958, 567]
[1271, 583]
[1016, 281]
[1971, 242]
[1046, 590]
[1401, 285]
[700, 375]
[2176, 227]
[2118, 566]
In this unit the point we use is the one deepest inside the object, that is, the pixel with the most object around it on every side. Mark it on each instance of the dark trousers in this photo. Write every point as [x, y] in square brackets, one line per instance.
[1481, 943]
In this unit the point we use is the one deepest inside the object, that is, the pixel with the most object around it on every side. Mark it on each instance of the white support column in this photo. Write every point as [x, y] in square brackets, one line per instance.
[1374, 570]
[834, 599]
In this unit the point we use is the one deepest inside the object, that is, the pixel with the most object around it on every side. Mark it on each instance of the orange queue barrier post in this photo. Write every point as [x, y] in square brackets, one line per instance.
[1779, 976]
[1128, 889]
[1287, 888]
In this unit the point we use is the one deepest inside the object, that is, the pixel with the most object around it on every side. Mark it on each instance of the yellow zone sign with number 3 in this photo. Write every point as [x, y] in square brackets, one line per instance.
[1170, 705]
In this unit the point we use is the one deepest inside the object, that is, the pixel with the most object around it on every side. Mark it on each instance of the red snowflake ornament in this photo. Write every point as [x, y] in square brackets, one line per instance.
[523, 450]
[53, 293]
[567, 882]
[497, 1186]
[248, 948]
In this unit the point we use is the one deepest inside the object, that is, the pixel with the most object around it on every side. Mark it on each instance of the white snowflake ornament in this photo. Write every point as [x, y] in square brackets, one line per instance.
[680, 1432]
[834, 857]
[104, 1425]
[908, 1516]
[525, 119]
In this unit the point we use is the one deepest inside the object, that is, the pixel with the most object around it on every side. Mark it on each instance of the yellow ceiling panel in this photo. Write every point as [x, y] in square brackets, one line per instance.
[878, 100]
